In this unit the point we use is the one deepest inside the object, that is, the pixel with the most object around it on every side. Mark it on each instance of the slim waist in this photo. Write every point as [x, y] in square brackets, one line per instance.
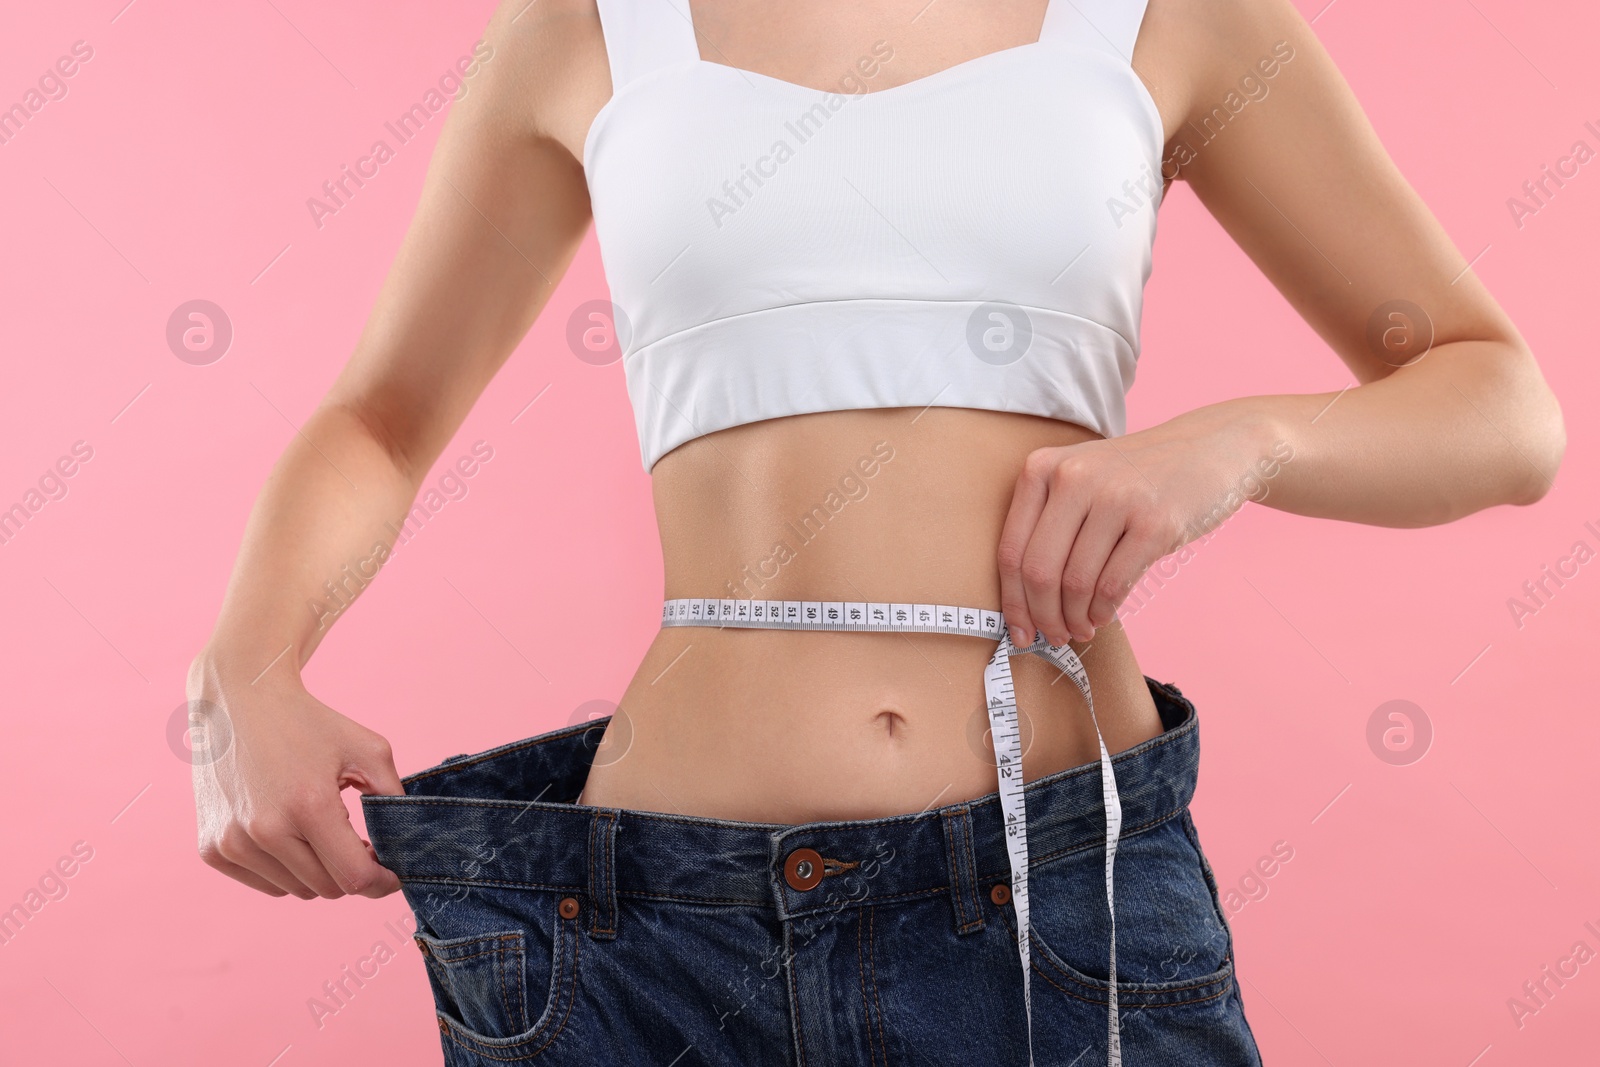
[507, 817]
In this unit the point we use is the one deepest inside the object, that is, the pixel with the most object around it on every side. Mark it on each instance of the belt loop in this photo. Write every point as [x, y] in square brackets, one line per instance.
[603, 876]
[963, 869]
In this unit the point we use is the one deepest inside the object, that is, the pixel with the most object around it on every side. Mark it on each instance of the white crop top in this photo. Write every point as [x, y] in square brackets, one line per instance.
[977, 238]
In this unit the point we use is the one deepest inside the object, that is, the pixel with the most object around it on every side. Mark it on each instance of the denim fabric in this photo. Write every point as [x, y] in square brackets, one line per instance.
[569, 934]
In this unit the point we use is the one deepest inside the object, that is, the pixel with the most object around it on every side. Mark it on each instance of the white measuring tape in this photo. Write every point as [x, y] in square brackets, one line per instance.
[1000, 697]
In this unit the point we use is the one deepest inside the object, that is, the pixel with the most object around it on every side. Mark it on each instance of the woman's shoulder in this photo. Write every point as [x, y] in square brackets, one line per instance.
[546, 75]
[1192, 54]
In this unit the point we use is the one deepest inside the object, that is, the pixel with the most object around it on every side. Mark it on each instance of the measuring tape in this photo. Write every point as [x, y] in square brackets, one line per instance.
[1000, 698]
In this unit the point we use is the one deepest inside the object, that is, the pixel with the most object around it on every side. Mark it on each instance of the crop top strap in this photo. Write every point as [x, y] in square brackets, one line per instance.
[643, 35]
[1105, 24]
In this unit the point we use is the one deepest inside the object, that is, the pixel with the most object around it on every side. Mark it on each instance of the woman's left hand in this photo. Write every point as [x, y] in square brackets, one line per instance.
[1087, 520]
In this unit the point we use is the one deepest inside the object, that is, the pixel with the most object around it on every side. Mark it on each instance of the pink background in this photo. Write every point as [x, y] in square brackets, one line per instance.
[178, 166]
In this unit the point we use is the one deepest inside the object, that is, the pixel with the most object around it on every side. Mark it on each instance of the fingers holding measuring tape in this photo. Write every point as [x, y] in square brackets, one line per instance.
[1086, 522]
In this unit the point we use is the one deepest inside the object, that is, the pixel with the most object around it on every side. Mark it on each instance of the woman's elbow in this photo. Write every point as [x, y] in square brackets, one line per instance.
[1543, 446]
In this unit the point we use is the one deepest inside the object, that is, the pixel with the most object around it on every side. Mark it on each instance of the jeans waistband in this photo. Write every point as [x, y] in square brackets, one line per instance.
[507, 818]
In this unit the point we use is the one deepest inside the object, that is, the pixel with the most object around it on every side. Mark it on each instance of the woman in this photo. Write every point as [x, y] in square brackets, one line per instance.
[878, 271]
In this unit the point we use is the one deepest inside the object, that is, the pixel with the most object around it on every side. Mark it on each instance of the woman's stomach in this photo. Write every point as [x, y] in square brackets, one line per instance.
[897, 505]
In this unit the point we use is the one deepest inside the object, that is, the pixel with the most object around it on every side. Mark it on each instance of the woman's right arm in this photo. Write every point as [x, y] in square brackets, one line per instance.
[503, 210]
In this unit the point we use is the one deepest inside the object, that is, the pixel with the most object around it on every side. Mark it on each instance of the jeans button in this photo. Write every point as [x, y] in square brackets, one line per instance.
[803, 869]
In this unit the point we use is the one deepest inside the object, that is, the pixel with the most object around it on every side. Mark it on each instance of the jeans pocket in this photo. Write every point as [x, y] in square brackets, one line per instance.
[507, 993]
[479, 981]
[1172, 945]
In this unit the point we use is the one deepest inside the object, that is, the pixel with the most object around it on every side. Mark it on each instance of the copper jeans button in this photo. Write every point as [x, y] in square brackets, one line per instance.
[803, 869]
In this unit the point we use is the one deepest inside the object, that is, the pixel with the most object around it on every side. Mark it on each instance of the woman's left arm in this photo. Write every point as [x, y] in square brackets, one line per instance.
[1451, 414]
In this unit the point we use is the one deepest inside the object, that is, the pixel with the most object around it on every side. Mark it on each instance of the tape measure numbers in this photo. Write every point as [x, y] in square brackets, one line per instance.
[1000, 697]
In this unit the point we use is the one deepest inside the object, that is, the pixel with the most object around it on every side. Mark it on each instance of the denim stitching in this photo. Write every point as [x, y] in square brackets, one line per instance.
[602, 893]
[445, 879]
[969, 865]
[794, 999]
[962, 922]
[611, 877]
[872, 963]
[1034, 861]
[1131, 993]
[646, 895]
[866, 1009]
[1126, 833]
[909, 894]
[1127, 996]
[560, 983]
[473, 956]
[522, 989]
[505, 998]
[467, 1043]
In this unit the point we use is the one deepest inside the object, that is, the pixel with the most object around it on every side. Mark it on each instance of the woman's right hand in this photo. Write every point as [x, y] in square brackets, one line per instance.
[270, 763]
[502, 213]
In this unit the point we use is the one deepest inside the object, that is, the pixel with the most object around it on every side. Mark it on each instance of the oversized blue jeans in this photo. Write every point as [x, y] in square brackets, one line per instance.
[569, 934]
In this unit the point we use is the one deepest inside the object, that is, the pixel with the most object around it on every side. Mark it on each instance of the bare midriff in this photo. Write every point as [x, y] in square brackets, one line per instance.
[897, 505]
